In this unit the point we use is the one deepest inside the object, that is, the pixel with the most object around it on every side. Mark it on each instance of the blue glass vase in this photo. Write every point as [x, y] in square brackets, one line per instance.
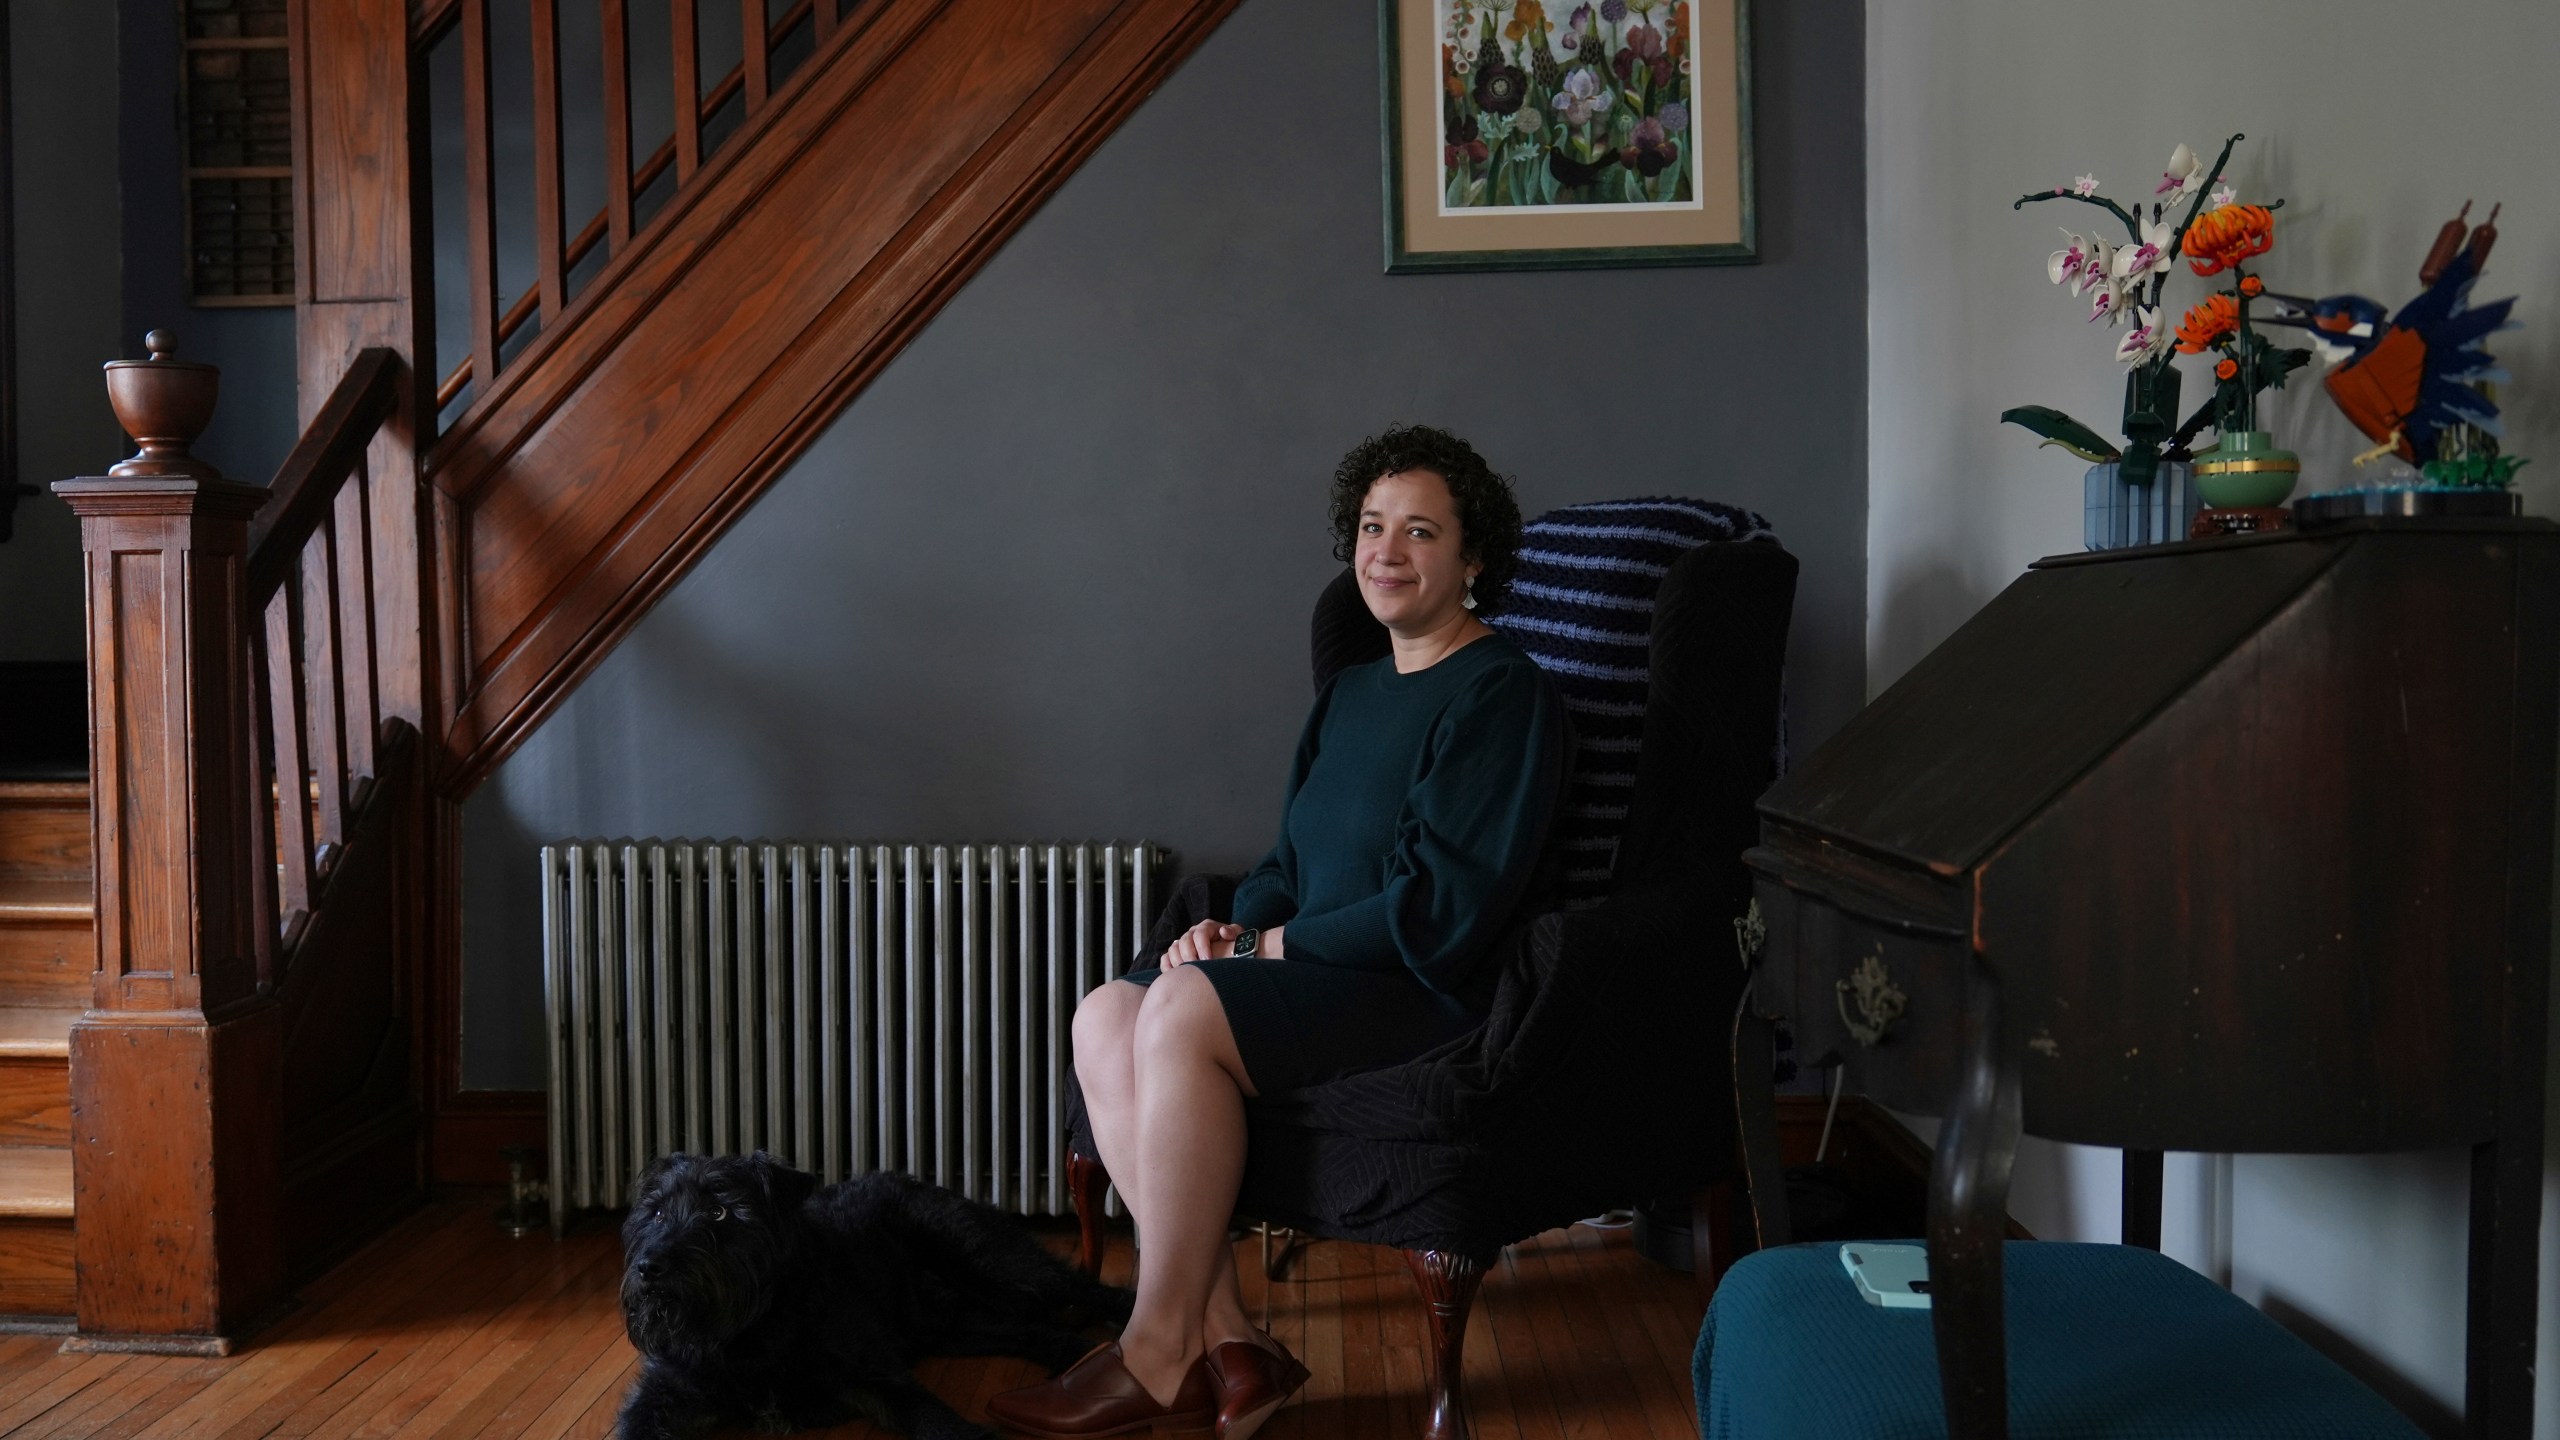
[2115, 515]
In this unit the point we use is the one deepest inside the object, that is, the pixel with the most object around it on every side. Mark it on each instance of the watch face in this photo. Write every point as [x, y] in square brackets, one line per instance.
[1246, 942]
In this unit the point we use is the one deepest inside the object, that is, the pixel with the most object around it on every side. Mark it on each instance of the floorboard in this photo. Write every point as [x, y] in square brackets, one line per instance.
[443, 1329]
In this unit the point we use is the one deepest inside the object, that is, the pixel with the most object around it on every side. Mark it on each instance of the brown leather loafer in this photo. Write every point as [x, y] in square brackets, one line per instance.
[1254, 1381]
[1098, 1396]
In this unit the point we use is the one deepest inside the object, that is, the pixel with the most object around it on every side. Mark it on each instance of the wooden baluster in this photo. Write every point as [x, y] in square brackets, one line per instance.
[284, 728]
[685, 35]
[479, 194]
[548, 227]
[328, 714]
[617, 126]
[352, 513]
[260, 804]
[755, 48]
[825, 13]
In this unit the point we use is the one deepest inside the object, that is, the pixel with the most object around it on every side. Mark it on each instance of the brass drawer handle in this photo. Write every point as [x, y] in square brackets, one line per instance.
[1880, 1002]
[1750, 933]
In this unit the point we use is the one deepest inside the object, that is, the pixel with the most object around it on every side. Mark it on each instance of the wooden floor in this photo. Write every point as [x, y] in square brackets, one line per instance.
[445, 1328]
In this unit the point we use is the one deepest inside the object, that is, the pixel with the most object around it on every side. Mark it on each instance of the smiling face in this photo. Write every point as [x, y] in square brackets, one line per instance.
[1410, 555]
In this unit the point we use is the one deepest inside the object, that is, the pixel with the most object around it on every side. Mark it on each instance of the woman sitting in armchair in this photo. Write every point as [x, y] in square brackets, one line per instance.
[1416, 818]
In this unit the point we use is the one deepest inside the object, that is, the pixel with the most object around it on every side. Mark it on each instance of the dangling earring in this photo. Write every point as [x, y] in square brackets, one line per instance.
[1470, 601]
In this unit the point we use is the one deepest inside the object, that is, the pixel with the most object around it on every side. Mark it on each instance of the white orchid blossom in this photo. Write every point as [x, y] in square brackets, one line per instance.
[2064, 264]
[2185, 173]
[2107, 301]
[2224, 195]
[2148, 340]
[2151, 256]
[2096, 268]
[2084, 185]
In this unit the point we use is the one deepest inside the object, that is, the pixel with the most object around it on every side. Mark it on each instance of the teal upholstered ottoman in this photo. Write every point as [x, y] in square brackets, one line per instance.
[2104, 1340]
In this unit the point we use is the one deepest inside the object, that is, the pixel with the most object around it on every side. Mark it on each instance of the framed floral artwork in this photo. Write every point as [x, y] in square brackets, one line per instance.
[1560, 134]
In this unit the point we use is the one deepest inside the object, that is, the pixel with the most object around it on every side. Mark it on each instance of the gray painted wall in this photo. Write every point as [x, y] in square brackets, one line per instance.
[63, 133]
[1050, 574]
[100, 239]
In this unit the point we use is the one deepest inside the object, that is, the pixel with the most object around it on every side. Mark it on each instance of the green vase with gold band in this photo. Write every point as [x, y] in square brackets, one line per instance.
[2246, 471]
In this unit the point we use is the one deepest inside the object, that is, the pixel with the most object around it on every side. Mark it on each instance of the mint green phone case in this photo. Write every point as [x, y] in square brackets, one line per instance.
[1893, 1276]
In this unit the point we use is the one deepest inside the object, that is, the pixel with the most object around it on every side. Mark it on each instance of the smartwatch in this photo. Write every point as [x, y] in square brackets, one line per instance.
[1246, 942]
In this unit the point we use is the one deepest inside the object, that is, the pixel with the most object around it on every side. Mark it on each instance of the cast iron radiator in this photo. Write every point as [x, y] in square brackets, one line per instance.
[847, 1007]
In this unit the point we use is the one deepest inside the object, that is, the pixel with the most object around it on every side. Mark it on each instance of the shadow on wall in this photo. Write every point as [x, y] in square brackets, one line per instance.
[2424, 1410]
[1925, 607]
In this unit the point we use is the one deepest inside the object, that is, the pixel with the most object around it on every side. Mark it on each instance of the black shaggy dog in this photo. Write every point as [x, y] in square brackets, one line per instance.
[756, 1298]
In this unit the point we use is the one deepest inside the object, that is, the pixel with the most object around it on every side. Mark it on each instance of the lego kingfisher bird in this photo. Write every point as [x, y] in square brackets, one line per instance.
[2407, 381]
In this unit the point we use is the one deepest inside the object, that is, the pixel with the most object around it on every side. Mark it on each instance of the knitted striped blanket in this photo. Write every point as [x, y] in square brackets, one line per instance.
[1582, 606]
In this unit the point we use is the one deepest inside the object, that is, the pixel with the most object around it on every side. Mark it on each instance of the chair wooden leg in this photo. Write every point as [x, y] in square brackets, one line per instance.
[1086, 1183]
[1448, 1284]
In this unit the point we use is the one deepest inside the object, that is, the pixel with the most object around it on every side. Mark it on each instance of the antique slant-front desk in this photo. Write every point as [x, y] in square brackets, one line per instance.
[2242, 845]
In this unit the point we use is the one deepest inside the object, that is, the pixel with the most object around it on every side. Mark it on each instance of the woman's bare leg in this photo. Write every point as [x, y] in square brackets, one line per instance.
[1106, 1029]
[1106, 1024]
[1191, 1088]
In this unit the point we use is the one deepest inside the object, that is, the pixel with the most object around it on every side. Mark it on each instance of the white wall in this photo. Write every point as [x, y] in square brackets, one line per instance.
[2373, 119]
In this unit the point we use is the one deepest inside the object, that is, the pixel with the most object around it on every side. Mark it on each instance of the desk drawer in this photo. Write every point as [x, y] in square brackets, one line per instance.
[1888, 1003]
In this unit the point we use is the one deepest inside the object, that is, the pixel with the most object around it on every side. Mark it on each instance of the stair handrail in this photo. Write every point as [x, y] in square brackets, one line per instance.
[323, 459]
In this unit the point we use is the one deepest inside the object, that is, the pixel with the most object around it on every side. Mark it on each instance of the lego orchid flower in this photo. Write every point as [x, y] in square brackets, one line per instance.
[2098, 268]
[2155, 254]
[2107, 301]
[2185, 174]
[2148, 340]
[2065, 263]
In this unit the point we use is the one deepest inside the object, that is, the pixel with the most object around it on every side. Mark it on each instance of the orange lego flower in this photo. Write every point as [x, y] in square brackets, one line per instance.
[2218, 316]
[2225, 368]
[2252, 286]
[2221, 239]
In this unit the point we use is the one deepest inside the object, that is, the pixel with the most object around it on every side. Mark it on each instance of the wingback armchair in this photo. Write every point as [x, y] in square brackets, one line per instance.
[1598, 1078]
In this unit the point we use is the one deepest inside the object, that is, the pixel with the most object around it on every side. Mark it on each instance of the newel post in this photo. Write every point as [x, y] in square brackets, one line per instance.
[174, 1071]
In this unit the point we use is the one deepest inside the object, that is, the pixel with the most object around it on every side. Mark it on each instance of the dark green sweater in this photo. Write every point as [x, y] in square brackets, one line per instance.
[1417, 813]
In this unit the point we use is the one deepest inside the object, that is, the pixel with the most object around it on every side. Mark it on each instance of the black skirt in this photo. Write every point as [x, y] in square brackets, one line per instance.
[1298, 1024]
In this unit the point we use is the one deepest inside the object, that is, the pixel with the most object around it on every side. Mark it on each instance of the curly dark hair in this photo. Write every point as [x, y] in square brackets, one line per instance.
[1488, 514]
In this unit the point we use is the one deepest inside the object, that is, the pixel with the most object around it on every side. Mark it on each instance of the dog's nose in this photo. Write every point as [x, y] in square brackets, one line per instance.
[644, 1267]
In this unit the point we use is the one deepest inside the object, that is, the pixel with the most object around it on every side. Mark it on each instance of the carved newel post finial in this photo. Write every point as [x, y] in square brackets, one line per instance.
[164, 403]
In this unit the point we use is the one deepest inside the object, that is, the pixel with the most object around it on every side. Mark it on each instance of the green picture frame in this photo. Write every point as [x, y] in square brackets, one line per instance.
[1716, 225]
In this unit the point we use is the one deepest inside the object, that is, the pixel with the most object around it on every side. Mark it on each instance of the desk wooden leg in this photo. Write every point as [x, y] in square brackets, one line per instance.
[2143, 1174]
[1755, 1103]
[2506, 1225]
[1968, 1220]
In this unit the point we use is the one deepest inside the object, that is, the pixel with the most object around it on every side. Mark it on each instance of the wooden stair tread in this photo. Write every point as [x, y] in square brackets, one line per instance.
[44, 900]
[49, 792]
[36, 1032]
[35, 1182]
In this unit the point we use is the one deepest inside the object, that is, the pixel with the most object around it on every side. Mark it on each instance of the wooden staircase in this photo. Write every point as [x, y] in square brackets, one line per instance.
[432, 570]
[48, 947]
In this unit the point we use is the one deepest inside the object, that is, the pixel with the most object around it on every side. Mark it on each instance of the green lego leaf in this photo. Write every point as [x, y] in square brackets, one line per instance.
[2060, 429]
